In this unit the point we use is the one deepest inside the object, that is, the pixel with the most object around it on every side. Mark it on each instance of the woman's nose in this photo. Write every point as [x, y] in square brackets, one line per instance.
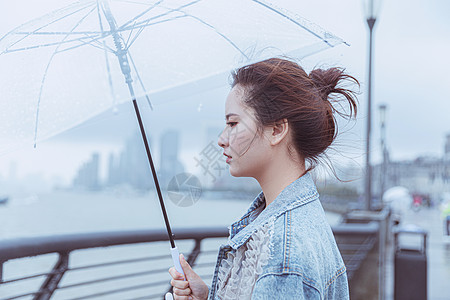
[223, 139]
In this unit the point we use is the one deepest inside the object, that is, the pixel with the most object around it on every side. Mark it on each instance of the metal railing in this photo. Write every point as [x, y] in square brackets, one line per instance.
[354, 241]
[65, 245]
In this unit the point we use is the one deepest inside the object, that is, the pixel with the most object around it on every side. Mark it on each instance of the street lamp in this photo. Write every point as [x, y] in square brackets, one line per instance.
[383, 174]
[371, 9]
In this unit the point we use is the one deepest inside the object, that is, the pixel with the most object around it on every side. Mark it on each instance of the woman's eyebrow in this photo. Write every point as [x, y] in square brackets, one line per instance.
[229, 115]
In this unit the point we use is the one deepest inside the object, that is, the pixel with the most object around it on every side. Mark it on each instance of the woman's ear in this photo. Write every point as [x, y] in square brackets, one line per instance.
[278, 132]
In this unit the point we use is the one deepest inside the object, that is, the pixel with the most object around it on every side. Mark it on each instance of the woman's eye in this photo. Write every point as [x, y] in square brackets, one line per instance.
[232, 124]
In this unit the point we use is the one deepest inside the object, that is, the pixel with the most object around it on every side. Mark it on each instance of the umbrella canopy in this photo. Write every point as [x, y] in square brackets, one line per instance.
[65, 67]
[396, 193]
[398, 198]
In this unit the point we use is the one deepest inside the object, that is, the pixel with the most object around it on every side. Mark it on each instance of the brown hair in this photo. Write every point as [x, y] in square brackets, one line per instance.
[278, 89]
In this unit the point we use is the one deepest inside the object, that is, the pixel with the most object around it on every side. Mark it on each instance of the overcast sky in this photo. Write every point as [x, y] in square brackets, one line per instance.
[411, 74]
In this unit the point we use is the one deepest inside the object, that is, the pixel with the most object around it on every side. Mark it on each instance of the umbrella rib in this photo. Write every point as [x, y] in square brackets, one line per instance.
[127, 46]
[45, 75]
[294, 19]
[104, 33]
[95, 40]
[57, 32]
[221, 34]
[143, 13]
[132, 2]
[103, 45]
[199, 20]
[99, 45]
[140, 80]
[113, 31]
[179, 9]
[105, 51]
[65, 16]
[129, 36]
[170, 10]
[48, 45]
[141, 28]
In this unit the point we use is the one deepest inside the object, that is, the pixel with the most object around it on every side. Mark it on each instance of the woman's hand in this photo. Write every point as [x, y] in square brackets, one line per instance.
[193, 288]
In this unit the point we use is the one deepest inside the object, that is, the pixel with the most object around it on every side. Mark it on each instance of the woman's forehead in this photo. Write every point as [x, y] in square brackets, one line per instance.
[234, 102]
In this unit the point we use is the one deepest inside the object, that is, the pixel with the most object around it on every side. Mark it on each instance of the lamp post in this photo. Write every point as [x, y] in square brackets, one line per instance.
[383, 174]
[371, 18]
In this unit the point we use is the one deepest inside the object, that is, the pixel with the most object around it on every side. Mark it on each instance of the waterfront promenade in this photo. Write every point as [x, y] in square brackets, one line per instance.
[438, 253]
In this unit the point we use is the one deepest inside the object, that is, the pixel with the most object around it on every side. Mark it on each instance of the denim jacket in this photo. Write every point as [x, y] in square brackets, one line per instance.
[304, 262]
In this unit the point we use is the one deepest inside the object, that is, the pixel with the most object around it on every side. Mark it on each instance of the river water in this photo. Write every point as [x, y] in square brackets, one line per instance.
[62, 212]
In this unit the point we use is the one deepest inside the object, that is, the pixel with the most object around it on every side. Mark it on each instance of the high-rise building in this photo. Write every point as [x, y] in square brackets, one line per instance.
[170, 164]
[131, 165]
[112, 178]
[88, 175]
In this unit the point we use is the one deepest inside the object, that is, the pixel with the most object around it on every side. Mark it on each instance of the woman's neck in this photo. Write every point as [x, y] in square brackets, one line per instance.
[277, 176]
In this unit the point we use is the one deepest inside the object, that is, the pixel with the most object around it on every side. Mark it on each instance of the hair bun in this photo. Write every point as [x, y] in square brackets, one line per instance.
[326, 80]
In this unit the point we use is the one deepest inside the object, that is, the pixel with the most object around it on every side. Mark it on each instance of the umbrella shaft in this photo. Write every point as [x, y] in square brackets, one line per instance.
[152, 166]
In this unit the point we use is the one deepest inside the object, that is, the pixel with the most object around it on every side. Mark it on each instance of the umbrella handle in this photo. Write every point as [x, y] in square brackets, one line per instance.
[168, 296]
[176, 260]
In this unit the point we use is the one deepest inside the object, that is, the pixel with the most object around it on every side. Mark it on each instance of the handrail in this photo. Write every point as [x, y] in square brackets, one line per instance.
[356, 228]
[356, 241]
[25, 247]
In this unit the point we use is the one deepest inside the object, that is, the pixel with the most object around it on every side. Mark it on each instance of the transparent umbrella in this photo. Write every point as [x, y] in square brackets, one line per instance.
[398, 198]
[76, 62]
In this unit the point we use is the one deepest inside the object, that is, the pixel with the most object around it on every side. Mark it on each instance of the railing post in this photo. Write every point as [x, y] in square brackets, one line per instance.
[1, 271]
[51, 283]
[195, 252]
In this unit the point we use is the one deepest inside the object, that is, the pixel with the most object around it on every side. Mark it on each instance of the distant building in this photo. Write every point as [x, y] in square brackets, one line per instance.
[113, 174]
[87, 176]
[130, 166]
[423, 175]
[170, 164]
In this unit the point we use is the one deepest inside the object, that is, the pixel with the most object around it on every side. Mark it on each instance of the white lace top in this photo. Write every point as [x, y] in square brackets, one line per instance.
[240, 270]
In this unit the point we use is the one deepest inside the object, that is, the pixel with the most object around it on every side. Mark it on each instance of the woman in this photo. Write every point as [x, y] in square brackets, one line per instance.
[280, 121]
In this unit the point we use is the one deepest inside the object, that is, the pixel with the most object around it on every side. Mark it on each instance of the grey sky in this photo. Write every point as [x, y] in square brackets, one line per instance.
[411, 61]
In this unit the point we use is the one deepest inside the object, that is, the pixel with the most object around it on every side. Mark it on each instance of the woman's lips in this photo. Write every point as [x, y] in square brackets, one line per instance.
[228, 157]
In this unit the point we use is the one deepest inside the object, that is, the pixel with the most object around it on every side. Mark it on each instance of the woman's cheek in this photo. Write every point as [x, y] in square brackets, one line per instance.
[234, 140]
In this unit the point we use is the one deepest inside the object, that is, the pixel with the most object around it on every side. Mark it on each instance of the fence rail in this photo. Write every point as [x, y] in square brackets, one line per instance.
[354, 241]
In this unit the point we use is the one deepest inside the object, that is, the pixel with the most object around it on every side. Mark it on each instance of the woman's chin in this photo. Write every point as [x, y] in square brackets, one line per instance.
[234, 172]
[238, 173]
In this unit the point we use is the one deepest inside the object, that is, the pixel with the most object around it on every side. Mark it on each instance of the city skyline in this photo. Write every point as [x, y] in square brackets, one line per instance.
[187, 158]
[121, 166]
